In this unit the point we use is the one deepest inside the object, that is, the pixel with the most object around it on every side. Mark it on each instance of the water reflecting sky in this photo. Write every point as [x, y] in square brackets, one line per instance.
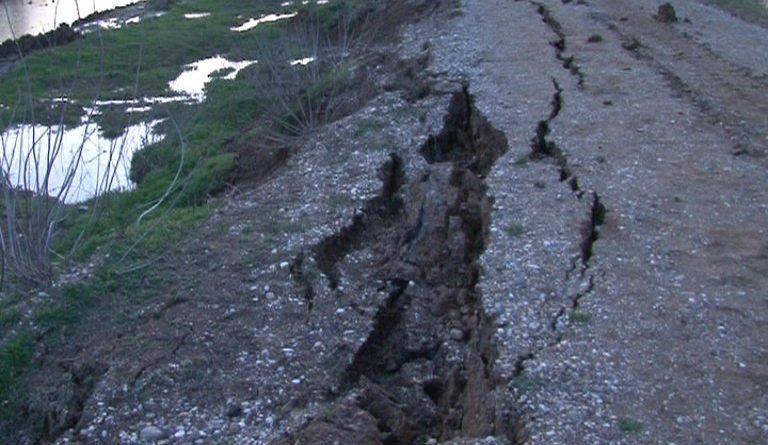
[38, 16]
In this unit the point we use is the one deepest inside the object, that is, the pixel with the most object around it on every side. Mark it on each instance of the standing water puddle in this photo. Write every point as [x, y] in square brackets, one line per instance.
[196, 15]
[80, 156]
[19, 17]
[196, 75]
[303, 62]
[252, 23]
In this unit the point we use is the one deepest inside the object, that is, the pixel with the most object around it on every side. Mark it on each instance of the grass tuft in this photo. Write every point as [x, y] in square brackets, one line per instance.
[578, 316]
[515, 230]
[630, 426]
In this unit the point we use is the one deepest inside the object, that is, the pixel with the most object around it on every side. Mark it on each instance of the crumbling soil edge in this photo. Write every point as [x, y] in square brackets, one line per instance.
[426, 368]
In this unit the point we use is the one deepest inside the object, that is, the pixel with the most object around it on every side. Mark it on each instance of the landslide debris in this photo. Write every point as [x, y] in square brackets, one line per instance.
[425, 371]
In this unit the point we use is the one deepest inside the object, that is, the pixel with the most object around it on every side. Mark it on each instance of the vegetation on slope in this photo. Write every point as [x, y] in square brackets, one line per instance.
[128, 232]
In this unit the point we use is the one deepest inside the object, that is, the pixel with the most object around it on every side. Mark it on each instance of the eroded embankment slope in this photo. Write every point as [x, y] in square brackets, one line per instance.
[527, 234]
[333, 297]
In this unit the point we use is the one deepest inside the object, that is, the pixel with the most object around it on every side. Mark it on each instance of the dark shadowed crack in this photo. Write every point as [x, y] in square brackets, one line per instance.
[560, 43]
[303, 283]
[543, 148]
[466, 140]
[63, 408]
[161, 357]
[426, 368]
[377, 212]
[591, 229]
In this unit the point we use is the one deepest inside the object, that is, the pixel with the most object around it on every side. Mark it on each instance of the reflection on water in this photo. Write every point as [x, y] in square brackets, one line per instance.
[303, 62]
[196, 15]
[252, 23]
[192, 81]
[19, 17]
[80, 156]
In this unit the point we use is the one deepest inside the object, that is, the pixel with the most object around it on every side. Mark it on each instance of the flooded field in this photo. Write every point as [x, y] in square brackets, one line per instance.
[82, 155]
[72, 164]
[94, 159]
[19, 17]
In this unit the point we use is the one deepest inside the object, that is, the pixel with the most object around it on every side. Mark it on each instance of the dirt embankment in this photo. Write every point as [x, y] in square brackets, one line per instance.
[527, 256]
[421, 367]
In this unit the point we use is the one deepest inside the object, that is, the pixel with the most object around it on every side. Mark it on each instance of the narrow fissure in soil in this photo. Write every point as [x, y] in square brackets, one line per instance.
[560, 43]
[543, 148]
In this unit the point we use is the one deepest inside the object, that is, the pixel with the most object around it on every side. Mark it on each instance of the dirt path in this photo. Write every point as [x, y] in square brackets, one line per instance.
[632, 300]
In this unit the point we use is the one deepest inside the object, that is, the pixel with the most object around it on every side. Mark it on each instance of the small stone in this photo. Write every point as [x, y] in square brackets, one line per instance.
[151, 433]
[457, 334]
[234, 410]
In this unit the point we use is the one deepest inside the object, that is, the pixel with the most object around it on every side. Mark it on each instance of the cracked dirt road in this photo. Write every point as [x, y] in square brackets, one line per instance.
[561, 241]
[662, 335]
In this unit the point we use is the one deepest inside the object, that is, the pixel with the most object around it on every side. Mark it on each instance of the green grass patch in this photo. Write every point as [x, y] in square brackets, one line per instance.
[364, 127]
[522, 161]
[579, 317]
[514, 230]
[630, 426]
[284, 227]
[16, 355]
[8, 318]
[525, 383]
[138, 59]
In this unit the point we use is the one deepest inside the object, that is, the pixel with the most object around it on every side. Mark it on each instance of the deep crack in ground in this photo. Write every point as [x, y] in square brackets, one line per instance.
[426, 368]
